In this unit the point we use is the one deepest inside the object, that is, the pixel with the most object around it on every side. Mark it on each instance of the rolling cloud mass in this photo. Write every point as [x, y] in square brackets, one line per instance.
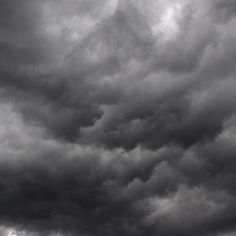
[117, 117]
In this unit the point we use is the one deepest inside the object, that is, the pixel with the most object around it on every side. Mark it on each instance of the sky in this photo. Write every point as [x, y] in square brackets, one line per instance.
[117, 117]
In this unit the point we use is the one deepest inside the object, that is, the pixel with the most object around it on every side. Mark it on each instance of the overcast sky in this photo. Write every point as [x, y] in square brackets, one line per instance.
[117, 118]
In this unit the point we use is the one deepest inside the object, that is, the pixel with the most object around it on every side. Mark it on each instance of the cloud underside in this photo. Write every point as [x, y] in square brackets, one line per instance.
[117, 118]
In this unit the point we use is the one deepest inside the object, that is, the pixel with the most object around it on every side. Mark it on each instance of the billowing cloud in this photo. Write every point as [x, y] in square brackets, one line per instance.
[117, 118]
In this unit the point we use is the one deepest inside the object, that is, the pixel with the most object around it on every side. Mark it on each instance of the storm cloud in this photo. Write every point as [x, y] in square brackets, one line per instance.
[117, 117]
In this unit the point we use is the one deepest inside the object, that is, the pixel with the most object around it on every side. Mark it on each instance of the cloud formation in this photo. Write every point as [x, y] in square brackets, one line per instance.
[117, 118]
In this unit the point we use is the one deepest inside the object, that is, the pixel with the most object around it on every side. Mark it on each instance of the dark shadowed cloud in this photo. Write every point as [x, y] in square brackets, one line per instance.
[117, 117]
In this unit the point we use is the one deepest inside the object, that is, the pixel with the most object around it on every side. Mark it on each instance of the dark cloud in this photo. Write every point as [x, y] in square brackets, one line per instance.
[117, 118]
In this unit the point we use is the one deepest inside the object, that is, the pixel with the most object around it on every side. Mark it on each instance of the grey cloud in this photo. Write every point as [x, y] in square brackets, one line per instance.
[117, 118]
[49, 186]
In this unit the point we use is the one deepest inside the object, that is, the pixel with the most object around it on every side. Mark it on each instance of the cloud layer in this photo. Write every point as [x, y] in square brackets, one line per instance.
[117, 118]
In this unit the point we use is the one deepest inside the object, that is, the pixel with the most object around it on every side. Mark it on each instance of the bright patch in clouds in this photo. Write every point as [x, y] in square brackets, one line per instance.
[6, 231]
[167, 23]
[12, 233]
